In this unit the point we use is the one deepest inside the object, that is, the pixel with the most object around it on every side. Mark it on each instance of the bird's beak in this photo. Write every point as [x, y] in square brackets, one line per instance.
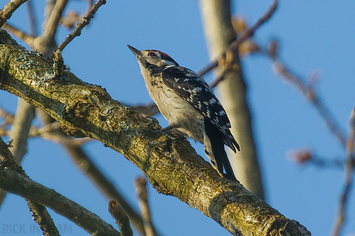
[135, 51]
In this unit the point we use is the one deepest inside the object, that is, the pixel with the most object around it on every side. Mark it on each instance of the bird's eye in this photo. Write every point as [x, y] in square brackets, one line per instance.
[151, 54]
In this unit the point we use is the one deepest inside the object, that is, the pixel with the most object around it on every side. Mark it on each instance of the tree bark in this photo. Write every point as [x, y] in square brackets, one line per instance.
[171, 165]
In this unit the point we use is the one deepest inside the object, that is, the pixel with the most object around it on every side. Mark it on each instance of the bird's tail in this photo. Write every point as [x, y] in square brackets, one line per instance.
[214, 149]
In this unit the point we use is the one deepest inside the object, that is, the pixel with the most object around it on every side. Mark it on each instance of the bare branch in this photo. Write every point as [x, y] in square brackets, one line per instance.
[149, 109]
[64, 140]
[29, 40]
[8, 9]
[348, 179]
[121, 218]
[85, 21]
[47, 132]
[70, 19]
[142, 195]
[20, 128]
[308, 92]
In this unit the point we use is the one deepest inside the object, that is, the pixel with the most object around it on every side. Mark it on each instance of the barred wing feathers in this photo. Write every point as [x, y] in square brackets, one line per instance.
[194, 89]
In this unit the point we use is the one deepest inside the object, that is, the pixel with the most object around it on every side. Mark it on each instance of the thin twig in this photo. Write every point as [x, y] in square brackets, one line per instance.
[47, 11]
[328, 163]
[121, 218]
[220, 78]
[35, 131]
[28, 39]
[233, 47]
[348, 179]
[305, 156]
[85, 21]
[47, 132]
[309, 93]
[72, 18]
[142, 194]
[7, 117]
[149, 109]
[8, 9]
[64, 140]
[32, 18]
[25, 113]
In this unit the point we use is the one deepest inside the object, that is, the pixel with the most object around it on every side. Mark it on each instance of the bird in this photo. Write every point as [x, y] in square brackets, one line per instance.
[188, 103]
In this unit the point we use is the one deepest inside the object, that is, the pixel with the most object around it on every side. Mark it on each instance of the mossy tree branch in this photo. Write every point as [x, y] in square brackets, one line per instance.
[171, 165]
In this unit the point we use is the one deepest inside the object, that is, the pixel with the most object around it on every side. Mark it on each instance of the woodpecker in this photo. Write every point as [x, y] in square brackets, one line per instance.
[189, 105]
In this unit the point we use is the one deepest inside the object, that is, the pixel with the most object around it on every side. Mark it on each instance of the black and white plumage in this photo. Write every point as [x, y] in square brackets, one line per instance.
[189, 104]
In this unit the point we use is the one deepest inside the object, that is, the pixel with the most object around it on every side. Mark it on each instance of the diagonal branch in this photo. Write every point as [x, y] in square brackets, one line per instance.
[39, 212]
[171, 165]
[26, 188]
[85, 21]
[7, 117]
[28, 39]
[309, 93]
[8, 9]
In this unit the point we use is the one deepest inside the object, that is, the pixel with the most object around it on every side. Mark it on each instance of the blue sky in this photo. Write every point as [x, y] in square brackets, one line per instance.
[314, 36]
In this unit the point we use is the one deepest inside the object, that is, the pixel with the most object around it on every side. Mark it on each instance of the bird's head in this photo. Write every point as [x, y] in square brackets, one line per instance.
[153, 58]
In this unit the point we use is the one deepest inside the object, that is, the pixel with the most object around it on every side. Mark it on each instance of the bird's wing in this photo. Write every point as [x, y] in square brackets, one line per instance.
[194, 90]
